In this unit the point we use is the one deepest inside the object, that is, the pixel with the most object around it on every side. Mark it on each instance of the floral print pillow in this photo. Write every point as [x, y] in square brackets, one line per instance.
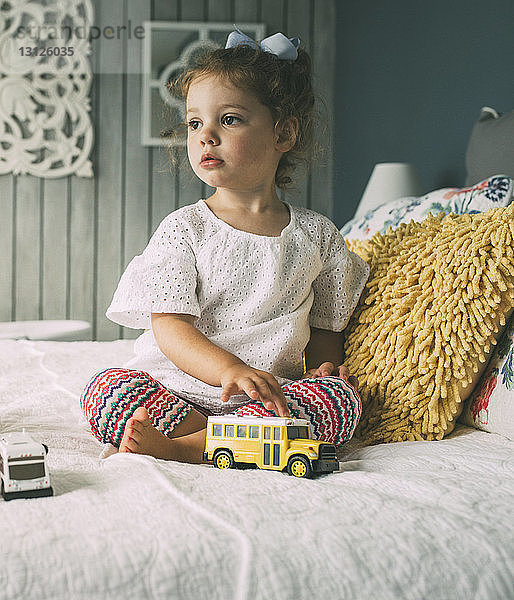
[491, 193]
[491, 405]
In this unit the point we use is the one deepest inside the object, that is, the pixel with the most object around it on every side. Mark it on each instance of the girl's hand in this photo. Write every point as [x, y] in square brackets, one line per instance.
[258, 385]
[328, 368]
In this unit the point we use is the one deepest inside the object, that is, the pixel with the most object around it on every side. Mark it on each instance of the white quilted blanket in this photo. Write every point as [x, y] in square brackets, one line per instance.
[401, 521]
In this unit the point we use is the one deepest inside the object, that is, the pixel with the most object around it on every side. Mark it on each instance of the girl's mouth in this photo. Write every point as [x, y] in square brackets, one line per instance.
[209, 161]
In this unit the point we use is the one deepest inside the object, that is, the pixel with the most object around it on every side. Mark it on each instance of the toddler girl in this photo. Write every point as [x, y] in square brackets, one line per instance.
[235, 289]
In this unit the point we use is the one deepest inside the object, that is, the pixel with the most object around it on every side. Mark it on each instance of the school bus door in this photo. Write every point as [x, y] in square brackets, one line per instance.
[272, 448]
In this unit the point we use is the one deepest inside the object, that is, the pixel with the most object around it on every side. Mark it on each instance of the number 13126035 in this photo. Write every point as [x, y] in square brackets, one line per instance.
[46, 51]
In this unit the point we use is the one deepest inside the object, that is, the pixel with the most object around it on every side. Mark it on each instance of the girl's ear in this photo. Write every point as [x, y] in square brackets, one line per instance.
[286, 132]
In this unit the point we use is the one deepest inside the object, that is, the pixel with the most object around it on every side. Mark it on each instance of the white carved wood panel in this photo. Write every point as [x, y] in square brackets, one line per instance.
[45, 77]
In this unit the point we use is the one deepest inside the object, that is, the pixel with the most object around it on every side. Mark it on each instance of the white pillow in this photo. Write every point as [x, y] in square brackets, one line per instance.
[491, 406]
[493, 192]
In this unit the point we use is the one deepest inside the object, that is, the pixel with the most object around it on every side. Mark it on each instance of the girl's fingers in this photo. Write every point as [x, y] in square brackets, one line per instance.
[264, 390]
[326, 369]
[276, 401]
[228, 390]
[344, 372]
[267, 391]
[273, 397]
[281, 407]
[323, 370]
[246, 385]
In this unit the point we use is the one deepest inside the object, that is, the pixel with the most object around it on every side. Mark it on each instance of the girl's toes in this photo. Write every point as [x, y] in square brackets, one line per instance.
[134, 426]
[132, 445]
[125, 445]
[135, 435]
[131, 439]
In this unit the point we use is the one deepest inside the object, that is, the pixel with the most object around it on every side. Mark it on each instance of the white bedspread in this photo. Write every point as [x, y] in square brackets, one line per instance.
[411, 520]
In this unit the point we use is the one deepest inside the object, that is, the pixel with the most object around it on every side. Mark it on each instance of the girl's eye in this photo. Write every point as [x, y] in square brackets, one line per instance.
[193, 124]
[230, 120]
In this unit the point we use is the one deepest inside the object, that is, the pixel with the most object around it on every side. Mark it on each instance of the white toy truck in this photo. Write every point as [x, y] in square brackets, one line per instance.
[23, 467]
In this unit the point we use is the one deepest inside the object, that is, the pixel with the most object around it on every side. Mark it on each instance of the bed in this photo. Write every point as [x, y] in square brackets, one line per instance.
[404, 520]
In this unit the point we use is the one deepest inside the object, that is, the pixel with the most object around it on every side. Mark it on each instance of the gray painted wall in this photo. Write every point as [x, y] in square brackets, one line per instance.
[65, 242]
[411, 78]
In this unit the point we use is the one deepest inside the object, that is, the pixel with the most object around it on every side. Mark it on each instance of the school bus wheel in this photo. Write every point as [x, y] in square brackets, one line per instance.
[223, 459]
[298, 466]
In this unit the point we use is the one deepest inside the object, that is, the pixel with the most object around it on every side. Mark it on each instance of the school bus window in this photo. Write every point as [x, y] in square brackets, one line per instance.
[241, 431]
[297, 432]
[276, 455]
[276, 433]
[254, 431]
[267, 433]
[229, 431]
[216, 429]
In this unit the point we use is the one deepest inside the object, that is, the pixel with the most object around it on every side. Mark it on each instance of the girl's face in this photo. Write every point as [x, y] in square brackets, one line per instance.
[231, 142]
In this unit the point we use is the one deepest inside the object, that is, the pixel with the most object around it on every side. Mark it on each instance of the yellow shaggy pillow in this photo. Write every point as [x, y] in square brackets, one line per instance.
[436, 297]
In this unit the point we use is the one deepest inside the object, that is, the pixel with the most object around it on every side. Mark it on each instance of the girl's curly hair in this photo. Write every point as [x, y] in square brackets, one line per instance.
[284, 86]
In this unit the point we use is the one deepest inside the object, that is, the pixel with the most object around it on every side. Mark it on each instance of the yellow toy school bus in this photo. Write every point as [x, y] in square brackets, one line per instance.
[276, 443]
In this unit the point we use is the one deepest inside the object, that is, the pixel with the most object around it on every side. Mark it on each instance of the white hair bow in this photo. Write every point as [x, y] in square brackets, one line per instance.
[278, 44]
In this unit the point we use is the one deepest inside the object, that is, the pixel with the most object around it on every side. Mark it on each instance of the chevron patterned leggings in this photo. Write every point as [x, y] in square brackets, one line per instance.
[331, 405]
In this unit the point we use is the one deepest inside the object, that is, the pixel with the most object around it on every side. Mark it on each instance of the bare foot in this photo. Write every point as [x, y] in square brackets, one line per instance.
[141, 437]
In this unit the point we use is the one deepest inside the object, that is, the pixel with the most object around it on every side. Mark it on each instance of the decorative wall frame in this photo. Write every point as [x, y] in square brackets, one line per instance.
[45, 77]
[167, 50]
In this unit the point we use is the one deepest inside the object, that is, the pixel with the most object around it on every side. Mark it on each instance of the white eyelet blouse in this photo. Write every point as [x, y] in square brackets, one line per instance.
[253, 295]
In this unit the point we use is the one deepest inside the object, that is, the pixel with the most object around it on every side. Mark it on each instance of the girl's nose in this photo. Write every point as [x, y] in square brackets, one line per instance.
[209, 137]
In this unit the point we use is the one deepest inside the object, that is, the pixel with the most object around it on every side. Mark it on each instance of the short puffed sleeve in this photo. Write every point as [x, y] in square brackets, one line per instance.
[162, 279]
[338, 287]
